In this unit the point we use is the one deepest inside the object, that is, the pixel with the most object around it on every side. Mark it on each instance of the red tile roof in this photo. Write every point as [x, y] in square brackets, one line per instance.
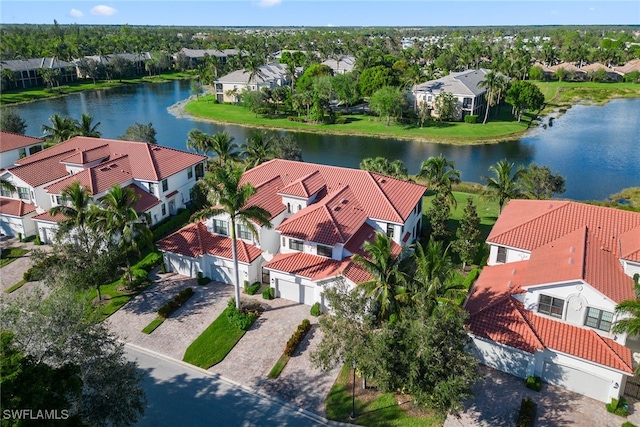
[266, 196]
[47, 217]
[98, 178]
[195, 240]
[333, 220]
[366, 233]
[306, 186]
[145, 200]
[41, 171]
[306, 265]
[629, 247]
[14, 207]
[83, 157]
[11, 141]
[381, 197]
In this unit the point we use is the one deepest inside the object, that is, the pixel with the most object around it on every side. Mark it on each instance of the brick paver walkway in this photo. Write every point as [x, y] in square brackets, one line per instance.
[497, 402]
[12, 273]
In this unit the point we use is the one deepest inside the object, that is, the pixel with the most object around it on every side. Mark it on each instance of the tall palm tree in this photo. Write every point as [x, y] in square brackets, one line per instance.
[85, 127]
[7, 185]
[226, 195]
[258, 149]
[504, 183]
[223, 146]
[440, 174]
[75, 207]
[388, 280]
[490, 83]
[197, 141]
[60, 129]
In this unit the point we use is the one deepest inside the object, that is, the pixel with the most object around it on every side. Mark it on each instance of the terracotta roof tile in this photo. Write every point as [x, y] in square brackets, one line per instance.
[494, 283]
[99, 178]
[630, 244]
[145, 200]
[366, 233]
[305, 186]
[83, 157]
[266, 196]
[15, 207]
[195, 240]
[41, 171]
[12, 141]
[47, 217]
[306, 265]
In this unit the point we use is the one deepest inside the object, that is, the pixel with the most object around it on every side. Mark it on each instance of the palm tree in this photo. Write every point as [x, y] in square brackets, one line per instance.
[117, 219]
[60, 130]
[75, 207]
[226, 195]
[490, 83]
[441, 174]
[504, 184]
[258, 149]
[197, 141]
[388, 281]
[7, 185]
[85, 127]
[223, 146]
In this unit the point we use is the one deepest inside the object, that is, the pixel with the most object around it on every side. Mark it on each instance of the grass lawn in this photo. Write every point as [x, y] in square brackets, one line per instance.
[35, 94]
[279, 366]
[15, 287]
[562, 95]
[153, 325]
[213, 345]
[374, 409]
[9, 255]
[498, 128]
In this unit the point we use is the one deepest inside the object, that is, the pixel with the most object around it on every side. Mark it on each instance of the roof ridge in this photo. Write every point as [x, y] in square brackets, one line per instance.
[198, 231]
[153, 162]
[496, 301]
[377, 185]
[335, 222]
[615, 353]
[536, 218]
[529, 324]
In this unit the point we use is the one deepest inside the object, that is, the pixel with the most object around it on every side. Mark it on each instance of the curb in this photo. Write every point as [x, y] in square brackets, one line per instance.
[308, 414]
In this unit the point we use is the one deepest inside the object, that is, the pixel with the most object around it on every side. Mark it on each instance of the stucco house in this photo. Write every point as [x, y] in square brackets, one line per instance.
[321, 215]
[162, 177]
[341, 64]
[544, 305]
[271, 75]
[26, 71]
[14, 146]
[464, 86]
[196, 56]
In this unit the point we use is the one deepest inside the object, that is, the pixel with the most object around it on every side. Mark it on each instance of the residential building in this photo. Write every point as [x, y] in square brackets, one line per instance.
[138, 60]
[320, 215]
[464, 86]
[196, 56]
[162, 177]
[271, 75]
[14, 146]
[545, 303]
[26, 72]
[341, 64]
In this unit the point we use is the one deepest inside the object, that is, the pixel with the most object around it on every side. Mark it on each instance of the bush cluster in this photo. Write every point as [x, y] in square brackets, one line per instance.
[243, 318]
[268, 293]
[149, 262]
[341, 120]
[297, 119]
[315, 309]
[178, 301]
[527, 413]
[251, 290]
[202, 280]
[618, 407]
[297, 337]
[39, 271]
[471, 277]
[168, 226]
[471, 118]
[534, 383]
[138, 278]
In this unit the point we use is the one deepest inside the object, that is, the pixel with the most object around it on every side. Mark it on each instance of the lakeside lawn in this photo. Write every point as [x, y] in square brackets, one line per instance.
[16, 96]
[560, 96]
[497, 129]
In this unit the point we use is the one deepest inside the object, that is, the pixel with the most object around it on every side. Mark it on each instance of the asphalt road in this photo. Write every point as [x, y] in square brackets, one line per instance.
[181, 395]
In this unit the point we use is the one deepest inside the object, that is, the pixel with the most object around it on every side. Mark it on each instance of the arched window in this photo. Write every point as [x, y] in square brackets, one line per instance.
[288, 207]
[299, 207]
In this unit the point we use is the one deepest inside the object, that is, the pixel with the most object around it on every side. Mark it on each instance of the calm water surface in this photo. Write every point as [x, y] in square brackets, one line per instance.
[596, 148]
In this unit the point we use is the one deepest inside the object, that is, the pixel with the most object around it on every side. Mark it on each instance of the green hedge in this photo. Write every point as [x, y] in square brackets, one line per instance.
[315, 309]
[268, 293]
[527, 413]
[534, 383]
[202, 280]
[471, 118]
[618, 407]
[178, 301]
[170, 225]
[149, 262]
[243, 318]
[297, 337]
[253, 289]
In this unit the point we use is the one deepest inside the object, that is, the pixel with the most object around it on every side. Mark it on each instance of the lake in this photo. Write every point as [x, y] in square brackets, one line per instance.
[596, 148]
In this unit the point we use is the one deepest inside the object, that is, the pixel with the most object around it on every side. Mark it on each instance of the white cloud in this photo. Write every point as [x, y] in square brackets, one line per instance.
[75, 13]
[103, 10]
[592, 9]
[269, 3]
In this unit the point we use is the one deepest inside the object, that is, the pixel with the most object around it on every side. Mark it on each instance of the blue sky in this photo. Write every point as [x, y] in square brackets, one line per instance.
[322, 13]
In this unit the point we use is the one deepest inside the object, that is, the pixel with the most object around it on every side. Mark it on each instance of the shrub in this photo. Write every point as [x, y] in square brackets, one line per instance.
[471, 118]
[178, 301]
[296, 119]
[245, 286]
[202, 280]
[268, 293]
[618, 407]
[163, 268]
[149, 262]
[37, 241]
[297, 337]
[341, 120]
[534, 383]
[138, 277]
[251, 290]
[527, 413]
[471, 277]
[628, 424]
[243, 318]
[171, 224]
[315, 309]
[20, 237]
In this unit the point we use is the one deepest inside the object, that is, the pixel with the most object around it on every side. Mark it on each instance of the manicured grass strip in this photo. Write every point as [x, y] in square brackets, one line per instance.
[11, 254]
[153, 325]
[279, 366]
[381, 411]
[213, 345]
[15, 287]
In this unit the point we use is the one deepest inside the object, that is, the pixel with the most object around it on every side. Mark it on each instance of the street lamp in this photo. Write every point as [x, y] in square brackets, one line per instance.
[352, 416]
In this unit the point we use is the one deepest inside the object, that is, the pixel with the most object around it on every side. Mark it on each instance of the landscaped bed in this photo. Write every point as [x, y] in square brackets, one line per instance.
[11, 254]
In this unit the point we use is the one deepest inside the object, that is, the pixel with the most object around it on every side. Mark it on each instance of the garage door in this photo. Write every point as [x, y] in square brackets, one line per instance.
[221, 273]
[576, 380]
[295, 292]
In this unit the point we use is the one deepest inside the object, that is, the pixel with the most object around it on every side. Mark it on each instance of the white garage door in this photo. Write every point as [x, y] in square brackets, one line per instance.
[221, 273]
[576, 380]
[295, 292]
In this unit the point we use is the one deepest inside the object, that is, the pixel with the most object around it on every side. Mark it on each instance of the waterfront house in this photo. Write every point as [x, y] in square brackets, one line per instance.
[271, 75]
[26, 72]
[14, 146]
[544, 304]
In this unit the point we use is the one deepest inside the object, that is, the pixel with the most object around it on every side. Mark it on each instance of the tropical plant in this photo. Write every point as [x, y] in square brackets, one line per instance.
[467, 243]
[224, 148]
[85, 127]
[140, 133]
[538, 182]
[504, 184]
[60, 128]
[383, 166]
[198, 141]
[258, 149]
[494, 84]
[226, 195]
[7, 185]
[75, 207]
[10, 121]
[440, 174]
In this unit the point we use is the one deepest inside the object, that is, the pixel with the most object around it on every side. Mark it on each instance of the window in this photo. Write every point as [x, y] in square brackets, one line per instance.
[325, 251]
[164, 209]
[4, 192]
[23, 193]
[22, 152]
[165, 185]
[152, 187]
[598, 319]
[502, 254]
[299, 207]
[390, 228]
[288, 207]
[551, 306]
[58, 200]
[189, 173]
[466, 103]
[243, 232]
[297, 245]
[220, 227]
